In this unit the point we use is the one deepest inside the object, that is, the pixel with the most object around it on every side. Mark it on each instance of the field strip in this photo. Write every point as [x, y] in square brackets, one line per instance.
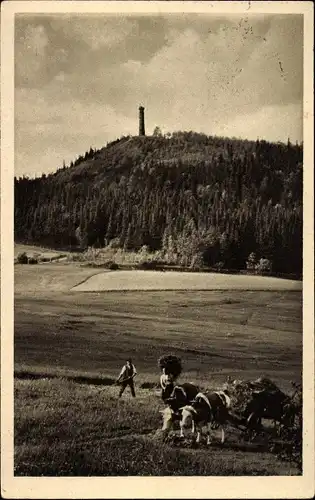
[187, 445]
[172, 280]
[79, 379]
[213, 325]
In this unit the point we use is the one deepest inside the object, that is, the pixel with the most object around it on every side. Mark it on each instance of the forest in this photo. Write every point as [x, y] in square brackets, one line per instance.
[198, 200]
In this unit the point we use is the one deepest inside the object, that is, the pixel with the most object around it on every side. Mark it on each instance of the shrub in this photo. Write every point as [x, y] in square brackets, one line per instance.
[32, 260]
[143, 255]
[45, 259]
[291, 447]
[219, 265]
[147, 264]
[251, 262]
[264, 265]
[128, 258]
[110, 264]
[91, 253]
[114, 243]
[73, 257]
[22, 258]
[171, 258]
[144, 249]
[197, 261]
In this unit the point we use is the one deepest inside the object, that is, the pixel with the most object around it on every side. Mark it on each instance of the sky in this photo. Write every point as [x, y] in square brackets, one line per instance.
[79, 80]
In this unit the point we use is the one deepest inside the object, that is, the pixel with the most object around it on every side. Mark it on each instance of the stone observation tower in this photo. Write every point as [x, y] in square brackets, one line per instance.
[141, 121]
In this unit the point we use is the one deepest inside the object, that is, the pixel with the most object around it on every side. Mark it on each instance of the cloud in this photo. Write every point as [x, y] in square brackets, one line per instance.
[43, 139]
[30, 50]
[35, 39]
[273, 123]
[229, 69]
[82, 79]
[95, 31]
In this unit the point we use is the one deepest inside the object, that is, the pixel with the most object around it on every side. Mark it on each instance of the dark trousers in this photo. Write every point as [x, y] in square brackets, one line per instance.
[124, 385]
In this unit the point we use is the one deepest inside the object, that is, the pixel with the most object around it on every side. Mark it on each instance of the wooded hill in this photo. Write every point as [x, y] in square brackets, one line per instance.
[196, 199]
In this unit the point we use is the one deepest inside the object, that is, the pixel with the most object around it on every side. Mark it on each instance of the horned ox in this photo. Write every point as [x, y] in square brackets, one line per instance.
[206, 409]
[180, 396]
[272, 405]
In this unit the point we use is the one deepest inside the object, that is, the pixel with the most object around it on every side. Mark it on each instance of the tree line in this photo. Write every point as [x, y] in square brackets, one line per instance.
[197, 199]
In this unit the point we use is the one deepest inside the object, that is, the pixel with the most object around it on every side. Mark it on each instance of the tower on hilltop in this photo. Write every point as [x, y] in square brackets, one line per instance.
[141, 121]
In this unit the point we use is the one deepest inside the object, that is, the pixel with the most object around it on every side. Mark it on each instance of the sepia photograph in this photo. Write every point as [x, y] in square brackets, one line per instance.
[156, 197]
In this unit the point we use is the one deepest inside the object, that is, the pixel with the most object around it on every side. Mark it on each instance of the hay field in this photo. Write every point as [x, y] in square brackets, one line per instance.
[213, 330]
[62, 332]
[172, 280]
[88, 432]
[48, 278]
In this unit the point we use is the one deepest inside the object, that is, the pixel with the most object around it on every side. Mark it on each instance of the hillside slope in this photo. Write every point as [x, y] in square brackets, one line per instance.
[195, 199]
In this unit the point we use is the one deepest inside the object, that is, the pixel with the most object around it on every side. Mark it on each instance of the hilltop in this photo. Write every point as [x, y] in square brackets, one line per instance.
[192, 199]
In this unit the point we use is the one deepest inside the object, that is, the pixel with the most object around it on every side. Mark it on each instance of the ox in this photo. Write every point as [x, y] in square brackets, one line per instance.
[180, 396]
[207, 410]
[270, 405]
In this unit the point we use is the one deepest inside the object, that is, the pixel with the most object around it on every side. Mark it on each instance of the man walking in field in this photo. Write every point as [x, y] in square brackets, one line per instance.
[126, 376]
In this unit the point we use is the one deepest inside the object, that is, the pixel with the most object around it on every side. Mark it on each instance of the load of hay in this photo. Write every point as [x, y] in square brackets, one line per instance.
[241, 392]
[171, 365]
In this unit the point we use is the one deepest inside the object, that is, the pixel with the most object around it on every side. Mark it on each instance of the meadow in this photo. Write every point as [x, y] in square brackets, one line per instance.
[69, 348]
[67, 429]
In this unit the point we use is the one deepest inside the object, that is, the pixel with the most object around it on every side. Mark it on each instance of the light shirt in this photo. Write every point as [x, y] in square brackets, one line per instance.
[127, 372]
[165, 380]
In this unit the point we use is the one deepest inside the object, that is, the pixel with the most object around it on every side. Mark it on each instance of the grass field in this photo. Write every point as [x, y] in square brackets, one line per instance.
[69, 429]
[155, 280]
[35, 251]
[63, 333]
